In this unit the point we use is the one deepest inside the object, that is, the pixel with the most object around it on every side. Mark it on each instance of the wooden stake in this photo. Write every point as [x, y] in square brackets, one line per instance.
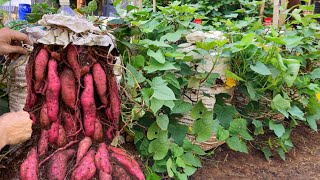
[140, 2]
[275, 19]
[262, 10]
[154, 5]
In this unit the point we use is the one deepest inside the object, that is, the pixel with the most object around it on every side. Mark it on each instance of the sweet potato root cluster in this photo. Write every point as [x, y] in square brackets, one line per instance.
[74, 101]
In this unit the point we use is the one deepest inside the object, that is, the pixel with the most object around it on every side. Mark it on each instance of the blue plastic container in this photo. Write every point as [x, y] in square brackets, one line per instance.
[23, 10]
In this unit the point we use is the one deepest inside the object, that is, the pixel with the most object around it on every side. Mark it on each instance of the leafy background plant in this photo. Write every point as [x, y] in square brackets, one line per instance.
[275, 73]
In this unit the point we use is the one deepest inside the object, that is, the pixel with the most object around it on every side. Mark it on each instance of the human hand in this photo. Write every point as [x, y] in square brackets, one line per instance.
[10, 42]
[15, 127]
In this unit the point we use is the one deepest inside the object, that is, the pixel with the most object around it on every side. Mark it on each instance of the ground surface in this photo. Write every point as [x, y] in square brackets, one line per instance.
[303, 162]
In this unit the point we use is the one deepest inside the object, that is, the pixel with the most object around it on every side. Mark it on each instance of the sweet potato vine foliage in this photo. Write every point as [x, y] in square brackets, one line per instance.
[274, 74]
[70, 94]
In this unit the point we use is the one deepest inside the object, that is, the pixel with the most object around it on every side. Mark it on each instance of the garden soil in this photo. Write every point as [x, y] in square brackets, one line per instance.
[303, 162]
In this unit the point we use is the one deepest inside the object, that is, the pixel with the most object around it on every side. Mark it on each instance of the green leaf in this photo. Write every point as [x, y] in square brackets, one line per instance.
[281, 153]
[206, 45]
[312, 121]
[169, 103]
[247, 39]
[315, 74]
[160, 89]
[160, 149]
[296, 112]
[189, 170]
[278, 129]
[180, 162]
[152, 176]
[222, 134]
[171, 79]
[176, 150]
[163, 121]
[292, 73]
[292, 41]
[138, 61]
[156, 104]
[178, 132]
[280, 104]
[230, 74]
[169, 166]
[134, 76]
[258, 127]
[276, 40]
[158, 56]
[150, 26]
[194, 82]
[251, 90]
[181, 107]
[154, 131]
[267, 153]
[211, 79]
[156, 66]
[236, 144]
[198, 110]
[146, 94]
[239, 127]
[203, 129]
[224, 114]
[191, 159]
[197, 149]
[154, 43]
[172, 37]
[260, 68]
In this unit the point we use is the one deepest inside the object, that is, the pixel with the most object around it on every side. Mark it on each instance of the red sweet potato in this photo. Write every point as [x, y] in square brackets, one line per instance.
[115, 101]
[100, 82]
[84, 146]
[58, 164]
[108, 113]
[88, 105]
[53, 91]
[44, 119]
[68, 88]
[33, 118]
[120, 173]
[102, 159]
[86, 169]
[104, 176]
[41, 62]
[70, 123]
[109, 133]
[54, 132]
[29, 167]
[72, 59]
[43, 143]
[128, 163]
[98, 131]
[56, 56]
[62, 138]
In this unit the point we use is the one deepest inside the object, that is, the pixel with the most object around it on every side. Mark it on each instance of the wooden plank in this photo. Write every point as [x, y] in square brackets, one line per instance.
[275, 19]
[154, 5]
[263, 3]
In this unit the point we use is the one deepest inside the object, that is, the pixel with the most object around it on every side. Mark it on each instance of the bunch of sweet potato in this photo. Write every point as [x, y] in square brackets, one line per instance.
[73, 96]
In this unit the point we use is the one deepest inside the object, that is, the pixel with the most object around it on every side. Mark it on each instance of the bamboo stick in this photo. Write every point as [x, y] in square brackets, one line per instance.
[140, 2]
[154, 5]
[262, 10]
[275, 19]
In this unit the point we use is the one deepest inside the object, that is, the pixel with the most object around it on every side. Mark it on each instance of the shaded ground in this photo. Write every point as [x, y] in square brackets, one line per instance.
[303, 162]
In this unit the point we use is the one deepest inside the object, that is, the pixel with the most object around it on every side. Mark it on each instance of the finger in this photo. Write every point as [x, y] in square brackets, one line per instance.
[14, 49]
[18, 36]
